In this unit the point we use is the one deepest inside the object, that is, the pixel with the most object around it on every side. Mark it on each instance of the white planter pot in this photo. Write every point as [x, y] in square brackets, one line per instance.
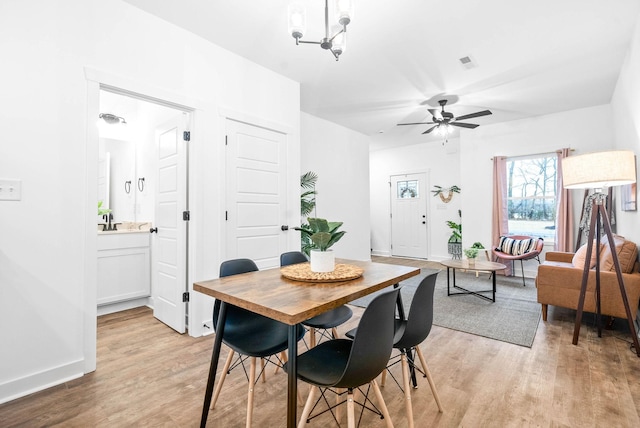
[322, 261]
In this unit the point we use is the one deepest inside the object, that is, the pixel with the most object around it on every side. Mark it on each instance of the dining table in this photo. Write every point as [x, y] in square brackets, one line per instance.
[269, 293]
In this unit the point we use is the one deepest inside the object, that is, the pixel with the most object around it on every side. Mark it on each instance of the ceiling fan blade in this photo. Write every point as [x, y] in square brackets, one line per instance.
[435, 113]
[472, 115]
[430, 129]
[415, 123]
[464, 125]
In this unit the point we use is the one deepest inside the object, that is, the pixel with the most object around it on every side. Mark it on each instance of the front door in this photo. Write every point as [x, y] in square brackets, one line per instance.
[169, 274]
[256, 199]
[409, 215]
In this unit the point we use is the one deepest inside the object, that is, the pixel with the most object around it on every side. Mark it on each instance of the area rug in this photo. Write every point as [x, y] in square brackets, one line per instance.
[513, 318]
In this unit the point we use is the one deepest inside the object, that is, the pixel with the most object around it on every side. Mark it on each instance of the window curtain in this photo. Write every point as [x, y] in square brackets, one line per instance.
[500, 223]
[564, 208]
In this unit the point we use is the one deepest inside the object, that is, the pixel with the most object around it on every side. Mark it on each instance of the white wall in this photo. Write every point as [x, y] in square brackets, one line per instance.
[43, 117]
[585, 130]
[625, 106]
[442, 165]
[340, 157]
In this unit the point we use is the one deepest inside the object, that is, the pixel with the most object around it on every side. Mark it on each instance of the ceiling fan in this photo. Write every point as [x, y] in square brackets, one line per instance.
[443, 120]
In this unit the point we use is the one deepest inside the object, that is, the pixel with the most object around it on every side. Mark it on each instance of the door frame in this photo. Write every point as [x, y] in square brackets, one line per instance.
[97, 80]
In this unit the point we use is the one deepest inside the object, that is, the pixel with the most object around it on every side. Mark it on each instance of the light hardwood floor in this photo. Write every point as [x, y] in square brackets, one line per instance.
[149, 375]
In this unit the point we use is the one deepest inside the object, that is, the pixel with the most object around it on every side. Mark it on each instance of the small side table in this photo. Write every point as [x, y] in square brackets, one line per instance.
[487, 266]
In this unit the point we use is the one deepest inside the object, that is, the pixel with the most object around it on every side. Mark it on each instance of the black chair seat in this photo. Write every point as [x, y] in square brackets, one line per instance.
[330, 319]
[349, 364]
[331, 355]
[267, 337]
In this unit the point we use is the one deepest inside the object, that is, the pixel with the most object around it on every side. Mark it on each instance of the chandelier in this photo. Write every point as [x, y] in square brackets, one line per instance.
[335, 38]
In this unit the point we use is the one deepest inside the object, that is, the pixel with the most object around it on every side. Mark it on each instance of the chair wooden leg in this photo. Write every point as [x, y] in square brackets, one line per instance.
[351, 410]
[545, 308]
[334, 333]
[407, 389]
[252, 381]
[313, 390]
[264, 375]
[312, 337]
[432, 384]
[383, 377]
[383, 406]
[223, 375]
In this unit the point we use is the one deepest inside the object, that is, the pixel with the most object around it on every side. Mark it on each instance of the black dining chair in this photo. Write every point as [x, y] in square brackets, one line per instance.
[248, 334]
[349, 364]
[326, 321]
[409, 334]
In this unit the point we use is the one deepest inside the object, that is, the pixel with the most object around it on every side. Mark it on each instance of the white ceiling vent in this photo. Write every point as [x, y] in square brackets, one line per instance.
[467, 62]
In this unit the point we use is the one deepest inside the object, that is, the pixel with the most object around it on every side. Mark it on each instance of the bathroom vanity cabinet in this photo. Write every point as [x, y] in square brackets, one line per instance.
[123, 266]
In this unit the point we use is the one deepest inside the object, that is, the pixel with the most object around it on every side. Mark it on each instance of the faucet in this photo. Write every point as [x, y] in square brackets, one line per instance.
[110, 218]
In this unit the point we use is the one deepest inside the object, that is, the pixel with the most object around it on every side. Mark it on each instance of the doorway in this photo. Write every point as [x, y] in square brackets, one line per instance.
[142, 188]
[409, 223]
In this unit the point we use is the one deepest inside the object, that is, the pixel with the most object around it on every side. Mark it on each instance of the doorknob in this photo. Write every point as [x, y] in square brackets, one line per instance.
[153, 230]
[424, 222]
[284, 227]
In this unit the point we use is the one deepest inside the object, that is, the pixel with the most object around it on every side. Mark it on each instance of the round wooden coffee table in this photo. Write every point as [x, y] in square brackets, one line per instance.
[485, 266]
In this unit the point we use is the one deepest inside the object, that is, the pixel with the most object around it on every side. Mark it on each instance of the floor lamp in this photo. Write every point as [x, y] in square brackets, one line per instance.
[599, 171]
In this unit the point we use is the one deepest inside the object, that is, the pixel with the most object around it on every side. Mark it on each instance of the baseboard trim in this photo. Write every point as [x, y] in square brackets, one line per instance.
[38, 381]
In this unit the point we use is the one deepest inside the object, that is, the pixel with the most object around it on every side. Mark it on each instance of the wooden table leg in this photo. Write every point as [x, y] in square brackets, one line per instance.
[213, 368]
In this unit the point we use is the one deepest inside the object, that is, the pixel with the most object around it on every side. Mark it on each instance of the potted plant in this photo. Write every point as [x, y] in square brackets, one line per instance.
[455, 240]
[322, 234]
[471, 254]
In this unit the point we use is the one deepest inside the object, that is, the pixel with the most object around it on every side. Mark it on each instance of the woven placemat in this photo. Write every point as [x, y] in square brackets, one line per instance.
[302, 272]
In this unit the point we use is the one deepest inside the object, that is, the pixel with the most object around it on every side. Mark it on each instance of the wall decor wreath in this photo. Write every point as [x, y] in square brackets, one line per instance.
[440, 191]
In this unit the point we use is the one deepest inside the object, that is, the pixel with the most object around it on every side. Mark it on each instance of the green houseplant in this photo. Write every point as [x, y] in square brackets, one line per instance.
[321, 234]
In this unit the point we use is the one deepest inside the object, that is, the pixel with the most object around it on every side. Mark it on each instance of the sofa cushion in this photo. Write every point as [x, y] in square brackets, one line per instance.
[627, 252]
[580, 256]
[516, 247]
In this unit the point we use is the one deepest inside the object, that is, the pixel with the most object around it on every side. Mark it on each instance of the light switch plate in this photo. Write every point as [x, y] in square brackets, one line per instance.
[10, 190]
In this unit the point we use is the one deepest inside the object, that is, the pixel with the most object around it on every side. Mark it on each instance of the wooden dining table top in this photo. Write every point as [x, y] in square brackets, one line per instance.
[267, 292]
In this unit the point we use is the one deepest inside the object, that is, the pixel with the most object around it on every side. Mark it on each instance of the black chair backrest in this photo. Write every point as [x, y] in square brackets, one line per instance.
[420, 319]
[373, 342]
[228, 268]
[292, 258]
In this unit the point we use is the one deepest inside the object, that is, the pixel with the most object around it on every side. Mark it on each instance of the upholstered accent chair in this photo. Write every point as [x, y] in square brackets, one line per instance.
[560, 278]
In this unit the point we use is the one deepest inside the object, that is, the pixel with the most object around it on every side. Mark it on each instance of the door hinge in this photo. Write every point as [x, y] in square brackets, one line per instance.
[186, 135]
[186, 215]
[185, 296]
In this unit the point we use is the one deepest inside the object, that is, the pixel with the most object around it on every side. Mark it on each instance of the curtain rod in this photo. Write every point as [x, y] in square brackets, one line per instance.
[536, 154]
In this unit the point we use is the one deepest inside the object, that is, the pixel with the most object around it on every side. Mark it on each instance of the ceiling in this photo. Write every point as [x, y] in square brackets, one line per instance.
[531, 57]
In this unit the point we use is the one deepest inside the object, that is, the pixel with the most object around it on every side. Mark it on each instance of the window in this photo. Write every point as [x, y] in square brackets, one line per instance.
[408, 189]
[531, 196]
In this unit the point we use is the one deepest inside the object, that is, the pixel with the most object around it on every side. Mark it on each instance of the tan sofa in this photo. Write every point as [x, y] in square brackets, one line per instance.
[560, 277]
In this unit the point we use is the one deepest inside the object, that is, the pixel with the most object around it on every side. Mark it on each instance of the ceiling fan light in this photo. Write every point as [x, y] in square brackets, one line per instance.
[344, 11]
[297, 19]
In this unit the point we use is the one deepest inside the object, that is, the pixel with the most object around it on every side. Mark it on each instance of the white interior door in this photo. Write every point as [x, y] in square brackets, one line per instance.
[169, 272]
[409, 215]
[256, 198]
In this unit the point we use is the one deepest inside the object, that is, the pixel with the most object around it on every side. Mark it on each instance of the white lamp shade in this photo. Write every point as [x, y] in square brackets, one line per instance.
[297, 19]
[599, 170]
